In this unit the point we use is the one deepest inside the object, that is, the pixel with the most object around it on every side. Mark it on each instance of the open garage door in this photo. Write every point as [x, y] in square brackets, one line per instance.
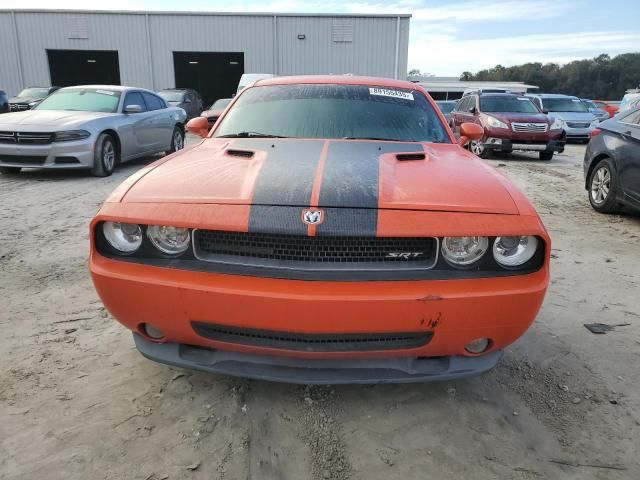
[83, 67]
[214, 74]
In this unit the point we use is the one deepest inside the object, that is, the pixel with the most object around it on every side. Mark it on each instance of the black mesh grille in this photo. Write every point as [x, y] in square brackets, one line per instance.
[347, 342]
[24, 159]
[418, 252]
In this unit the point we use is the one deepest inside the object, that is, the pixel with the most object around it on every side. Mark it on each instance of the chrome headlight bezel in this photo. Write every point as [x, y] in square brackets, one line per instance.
[474, 250]
[123, 238]
[558, 124]
[169, 240]
[512, 252]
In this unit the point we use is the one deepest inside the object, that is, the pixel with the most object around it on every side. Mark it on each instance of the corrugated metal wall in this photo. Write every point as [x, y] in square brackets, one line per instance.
[145, 43]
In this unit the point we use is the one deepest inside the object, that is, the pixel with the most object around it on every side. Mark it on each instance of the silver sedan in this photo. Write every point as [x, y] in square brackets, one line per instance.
[92, 127]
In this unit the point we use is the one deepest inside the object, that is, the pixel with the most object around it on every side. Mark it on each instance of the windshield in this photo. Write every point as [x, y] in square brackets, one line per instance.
[172, 96]
[220, 104]
[590, 104]
[507, 104]
[564, 105]
[333, 111]
[446, 107]
[82, 100]
[34, 92]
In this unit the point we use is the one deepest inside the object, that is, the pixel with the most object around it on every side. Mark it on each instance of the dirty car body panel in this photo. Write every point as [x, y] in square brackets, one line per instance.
[321, 259]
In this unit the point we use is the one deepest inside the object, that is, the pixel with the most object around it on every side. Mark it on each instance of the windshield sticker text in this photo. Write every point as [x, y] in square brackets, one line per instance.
[384, 92]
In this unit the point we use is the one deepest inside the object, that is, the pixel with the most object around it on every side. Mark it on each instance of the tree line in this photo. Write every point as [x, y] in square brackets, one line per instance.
[602, 77]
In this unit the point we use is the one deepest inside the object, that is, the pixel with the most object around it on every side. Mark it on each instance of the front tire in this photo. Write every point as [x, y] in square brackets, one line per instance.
[546, 156]
[603, 187]
[105, 156]
[177, 140]
[477, 147]
[10, 170]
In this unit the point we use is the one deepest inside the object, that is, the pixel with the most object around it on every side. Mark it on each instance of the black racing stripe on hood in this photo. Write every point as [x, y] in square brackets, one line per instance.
[286, 178]
[351, 172]
[354, 222]
[278, 219]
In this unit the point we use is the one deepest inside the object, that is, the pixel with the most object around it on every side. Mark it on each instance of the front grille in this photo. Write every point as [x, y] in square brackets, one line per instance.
[578, 124]
[334, 342]
[18, 107]
[24, 159]
[328, 252]
[28, 138]
[529, 127]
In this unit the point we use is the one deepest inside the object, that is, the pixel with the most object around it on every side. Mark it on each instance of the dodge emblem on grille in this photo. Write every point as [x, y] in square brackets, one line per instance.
[312, 216]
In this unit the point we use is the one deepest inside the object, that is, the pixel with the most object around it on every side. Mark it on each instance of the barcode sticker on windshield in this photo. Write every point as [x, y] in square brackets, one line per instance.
[383, 92]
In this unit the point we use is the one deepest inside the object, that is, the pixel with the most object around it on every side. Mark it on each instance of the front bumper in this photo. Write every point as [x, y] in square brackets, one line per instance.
[578, 133]
[62, 155]
[316, 372]
[505, 145]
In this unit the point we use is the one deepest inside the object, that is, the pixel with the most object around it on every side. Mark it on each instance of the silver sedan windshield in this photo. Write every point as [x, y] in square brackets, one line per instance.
[82, 100]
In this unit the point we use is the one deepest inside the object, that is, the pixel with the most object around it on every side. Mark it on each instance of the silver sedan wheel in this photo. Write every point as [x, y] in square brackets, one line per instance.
[600, 185]
[178, 141]
[108, 156]
[476, 147]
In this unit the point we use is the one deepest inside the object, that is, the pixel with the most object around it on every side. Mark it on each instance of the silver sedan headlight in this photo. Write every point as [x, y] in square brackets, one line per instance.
[514, 251]
[70, 135]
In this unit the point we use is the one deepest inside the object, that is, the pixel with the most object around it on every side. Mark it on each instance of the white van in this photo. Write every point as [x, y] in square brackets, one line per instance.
[249, 78]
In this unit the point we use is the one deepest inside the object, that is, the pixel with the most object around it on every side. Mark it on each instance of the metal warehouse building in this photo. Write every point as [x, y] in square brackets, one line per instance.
[205, 51]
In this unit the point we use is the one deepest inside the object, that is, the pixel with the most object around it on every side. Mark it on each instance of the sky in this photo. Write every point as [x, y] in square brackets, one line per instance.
[448, 37]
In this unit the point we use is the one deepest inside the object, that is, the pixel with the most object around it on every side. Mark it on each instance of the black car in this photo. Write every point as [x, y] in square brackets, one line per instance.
[612, 164]
[4, 102]
[29, 98]
[186, 98]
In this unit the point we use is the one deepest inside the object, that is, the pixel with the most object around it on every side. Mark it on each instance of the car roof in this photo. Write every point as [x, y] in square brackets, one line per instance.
[116, 88]
[339, 80]
[551, 95]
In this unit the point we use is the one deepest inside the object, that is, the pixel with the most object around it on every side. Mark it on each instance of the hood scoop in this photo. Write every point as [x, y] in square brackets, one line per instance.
[240, 153]
[410, 157]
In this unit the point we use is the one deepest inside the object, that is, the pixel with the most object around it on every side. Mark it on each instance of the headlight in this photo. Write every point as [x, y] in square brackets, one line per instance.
[33, 104]
[126, 238]
[514, 251]
[558, 124]
[462, 251]
[70, 135]
[595, 123]
[494, 122]
[169, 240]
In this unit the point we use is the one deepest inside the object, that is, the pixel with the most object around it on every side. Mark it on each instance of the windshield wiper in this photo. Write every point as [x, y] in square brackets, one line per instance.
[250, 135]
[377, 138]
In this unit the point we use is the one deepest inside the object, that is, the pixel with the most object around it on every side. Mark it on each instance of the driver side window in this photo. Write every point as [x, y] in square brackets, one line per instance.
[134, 98]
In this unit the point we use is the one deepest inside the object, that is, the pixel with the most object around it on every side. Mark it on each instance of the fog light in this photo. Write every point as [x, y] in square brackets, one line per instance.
[152, 331]
[478, 345]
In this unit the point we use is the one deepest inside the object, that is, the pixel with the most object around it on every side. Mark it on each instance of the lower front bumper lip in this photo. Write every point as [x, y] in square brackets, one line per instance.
[316, 371]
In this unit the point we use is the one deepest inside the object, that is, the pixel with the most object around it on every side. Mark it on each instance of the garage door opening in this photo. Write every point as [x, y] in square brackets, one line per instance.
[213, 74]
[83, 67]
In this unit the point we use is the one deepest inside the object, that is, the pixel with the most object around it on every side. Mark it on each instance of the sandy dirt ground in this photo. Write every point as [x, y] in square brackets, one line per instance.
[78, 402]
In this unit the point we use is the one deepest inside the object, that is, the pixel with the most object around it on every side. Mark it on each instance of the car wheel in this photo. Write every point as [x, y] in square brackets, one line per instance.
[105, 156]
[177, 140]
[546, 156]
[603, 187]
[477, 147]
[10, 170]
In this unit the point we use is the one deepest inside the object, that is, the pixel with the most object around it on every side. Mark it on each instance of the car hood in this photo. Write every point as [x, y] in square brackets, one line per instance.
[520, 117]
[577, 116]
[339, 173]
[24, 99]
[50, 119]
[212, 113]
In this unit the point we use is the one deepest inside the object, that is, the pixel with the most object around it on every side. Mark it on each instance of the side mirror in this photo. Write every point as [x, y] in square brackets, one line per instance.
[132, 109]
[545, 111]
[470, 131]
[198, 126]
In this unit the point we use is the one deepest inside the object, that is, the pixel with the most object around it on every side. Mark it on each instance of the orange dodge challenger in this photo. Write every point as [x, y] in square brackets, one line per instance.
[329, 229]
